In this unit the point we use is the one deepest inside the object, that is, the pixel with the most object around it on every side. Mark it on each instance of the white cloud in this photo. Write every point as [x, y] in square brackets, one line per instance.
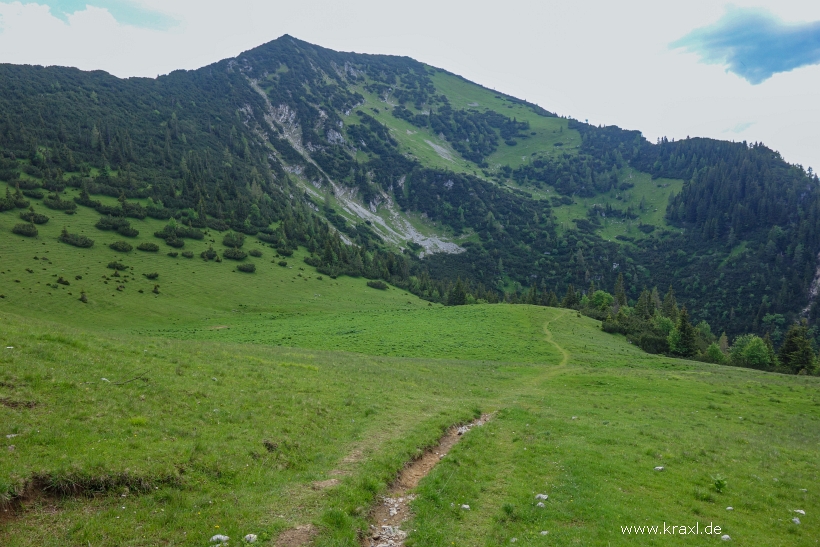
[603, 61]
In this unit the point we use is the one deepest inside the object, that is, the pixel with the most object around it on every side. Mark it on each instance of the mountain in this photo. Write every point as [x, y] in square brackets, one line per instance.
[385, 167]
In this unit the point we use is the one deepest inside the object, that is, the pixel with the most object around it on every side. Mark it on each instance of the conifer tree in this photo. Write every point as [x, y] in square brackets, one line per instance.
[670, 305]
[620, 290]
[686, 343]
[570, 298]
[796, 353]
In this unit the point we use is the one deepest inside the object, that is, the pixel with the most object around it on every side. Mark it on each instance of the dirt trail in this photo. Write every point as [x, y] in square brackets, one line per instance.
[548, 334]
[387, 517]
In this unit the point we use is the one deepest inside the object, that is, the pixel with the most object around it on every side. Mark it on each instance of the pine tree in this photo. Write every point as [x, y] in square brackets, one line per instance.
[686, 343]
[796, 353]
[670, 305]
[458, 295]
[570, 298]
[620, 290]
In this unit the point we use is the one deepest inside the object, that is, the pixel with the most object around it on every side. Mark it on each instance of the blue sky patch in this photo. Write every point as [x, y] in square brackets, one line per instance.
[754, 44]
[126, 12]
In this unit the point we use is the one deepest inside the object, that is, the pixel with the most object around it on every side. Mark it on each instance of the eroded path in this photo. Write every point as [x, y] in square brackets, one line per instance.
[394, 509]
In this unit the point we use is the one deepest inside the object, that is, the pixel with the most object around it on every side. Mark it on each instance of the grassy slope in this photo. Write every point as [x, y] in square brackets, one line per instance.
[375, 375]
[548, 132]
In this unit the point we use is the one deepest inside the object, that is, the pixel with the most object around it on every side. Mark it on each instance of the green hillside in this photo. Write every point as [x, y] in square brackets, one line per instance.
[151, 438]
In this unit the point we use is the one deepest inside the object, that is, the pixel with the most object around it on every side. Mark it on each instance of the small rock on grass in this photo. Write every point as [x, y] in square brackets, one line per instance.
[659, 468]
[544, 532]
[725, 537]
[465, 507]
[540, 504]
[250, 538]
[219, 538]
[730, 508]
[541, 496]
[796, 520]
[800, 511]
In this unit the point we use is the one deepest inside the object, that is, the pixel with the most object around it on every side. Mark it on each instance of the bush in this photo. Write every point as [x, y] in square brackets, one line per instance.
[255, 252]
[232, 239]
[234, 254]
[34, 218]
[75, 239]
[284, 251]
[247, 268]
[187, 254]
[174, 254]
[117, 266]
[208, 254]
[53, 201]
[63, 281]
[377, 284]
[121, 247]
[152, 275]
[128, 231]
[216, 224]
[282, 263]
[27, 230]
[35, 194]
[267, 238]
[175, 242]
[148, 247]
[111, 223]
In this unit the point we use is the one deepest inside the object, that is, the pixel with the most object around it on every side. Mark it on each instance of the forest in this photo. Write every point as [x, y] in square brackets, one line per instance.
[228, 146]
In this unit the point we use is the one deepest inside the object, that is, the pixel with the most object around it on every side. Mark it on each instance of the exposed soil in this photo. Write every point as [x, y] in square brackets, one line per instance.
[387, 517]
[321, 485]
[296, 537]
[17, 404]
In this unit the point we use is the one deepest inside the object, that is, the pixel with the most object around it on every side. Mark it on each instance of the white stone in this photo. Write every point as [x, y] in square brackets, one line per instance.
[800, 511]
[730, 508]
[513, 540]
[725, 537]
[659, 468]
[796, 520]
[544, 532]
[465, 507]
[250, 538]
[219, 538]
[540, 504]
[541, 496]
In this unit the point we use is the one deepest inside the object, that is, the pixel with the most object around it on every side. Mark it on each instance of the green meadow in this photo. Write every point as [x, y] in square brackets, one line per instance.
[235, 403]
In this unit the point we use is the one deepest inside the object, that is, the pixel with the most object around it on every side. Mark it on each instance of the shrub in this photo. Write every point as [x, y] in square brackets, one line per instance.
[189, 232]
[35, 194]
[152, 275]
[232, 239]
[175, 242]
[148, 247]
[247, 268]
[284, 251]
[128, 231]
[121, 247]
[117, 266]
[174, 254]
[187, 254]
[208, 254]
[218, 225]
[234, 254]
[255, 252]
[377, 284]
[63, 281]
[34, 218]
[75, 239]
[267, 238]
[282, 263]
[53, 201]
[111, 223]
[27, 230]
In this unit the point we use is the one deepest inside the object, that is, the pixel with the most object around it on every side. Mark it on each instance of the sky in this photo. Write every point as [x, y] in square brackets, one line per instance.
[745, 71]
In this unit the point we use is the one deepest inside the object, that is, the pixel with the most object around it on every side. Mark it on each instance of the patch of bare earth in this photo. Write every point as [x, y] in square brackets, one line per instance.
[394, 509]
[296, 537]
